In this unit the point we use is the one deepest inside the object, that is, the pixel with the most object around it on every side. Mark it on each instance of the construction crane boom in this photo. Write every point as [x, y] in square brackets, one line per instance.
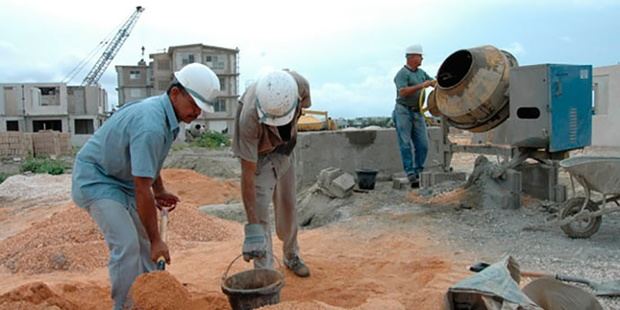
[113, 47]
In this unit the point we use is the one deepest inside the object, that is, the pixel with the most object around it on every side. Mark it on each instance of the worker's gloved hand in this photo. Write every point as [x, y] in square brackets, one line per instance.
[254, 245]
[159, 249]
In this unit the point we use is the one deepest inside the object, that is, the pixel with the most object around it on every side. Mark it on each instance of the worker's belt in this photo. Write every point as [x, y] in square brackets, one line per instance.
[414, 109]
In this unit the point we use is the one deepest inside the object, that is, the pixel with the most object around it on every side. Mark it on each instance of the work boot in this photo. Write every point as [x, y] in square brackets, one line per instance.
[414, 181]
[297, 266]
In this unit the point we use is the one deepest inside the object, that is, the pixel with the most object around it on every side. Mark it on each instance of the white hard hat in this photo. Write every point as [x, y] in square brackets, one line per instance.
[414, 49]
[277, 97]
[201, 83]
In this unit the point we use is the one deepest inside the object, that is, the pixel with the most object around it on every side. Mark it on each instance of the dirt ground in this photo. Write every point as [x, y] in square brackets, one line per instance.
[389, 249]
[60, 259]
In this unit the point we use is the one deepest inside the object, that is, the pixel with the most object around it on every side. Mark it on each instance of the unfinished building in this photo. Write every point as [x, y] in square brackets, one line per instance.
[32, 107]
[142, 80]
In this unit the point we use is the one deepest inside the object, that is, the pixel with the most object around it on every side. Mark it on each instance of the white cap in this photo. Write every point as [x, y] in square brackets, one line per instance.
[277, 97]
[414, 49]
[201, 83]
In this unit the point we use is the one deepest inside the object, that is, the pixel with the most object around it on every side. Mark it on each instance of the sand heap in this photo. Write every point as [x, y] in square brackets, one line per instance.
[36, 295]
[158, 291]
[161, 291]
[197, 190]
[71, 241]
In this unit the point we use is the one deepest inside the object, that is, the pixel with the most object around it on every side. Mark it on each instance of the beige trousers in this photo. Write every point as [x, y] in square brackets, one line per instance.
[275, 182]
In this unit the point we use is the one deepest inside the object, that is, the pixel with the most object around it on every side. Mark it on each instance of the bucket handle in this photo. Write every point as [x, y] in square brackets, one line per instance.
[225, 275]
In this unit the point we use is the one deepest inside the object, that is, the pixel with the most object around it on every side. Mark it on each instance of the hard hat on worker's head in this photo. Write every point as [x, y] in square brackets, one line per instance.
[277, 98]
[201, 83]
[415, 49]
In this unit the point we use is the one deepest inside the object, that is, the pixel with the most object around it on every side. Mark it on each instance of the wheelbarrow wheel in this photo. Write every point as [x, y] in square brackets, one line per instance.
[583, 228]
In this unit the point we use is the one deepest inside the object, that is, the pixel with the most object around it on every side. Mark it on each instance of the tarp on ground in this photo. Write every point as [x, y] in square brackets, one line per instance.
[497, 288]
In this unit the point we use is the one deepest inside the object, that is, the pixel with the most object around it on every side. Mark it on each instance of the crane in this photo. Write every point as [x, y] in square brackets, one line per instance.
[112, 49]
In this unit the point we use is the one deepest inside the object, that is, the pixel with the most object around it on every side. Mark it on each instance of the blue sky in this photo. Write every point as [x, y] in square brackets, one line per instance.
[349, 50]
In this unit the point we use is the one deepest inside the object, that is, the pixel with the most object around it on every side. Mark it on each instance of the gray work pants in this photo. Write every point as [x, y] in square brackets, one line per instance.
[130, 248]
[275, 181]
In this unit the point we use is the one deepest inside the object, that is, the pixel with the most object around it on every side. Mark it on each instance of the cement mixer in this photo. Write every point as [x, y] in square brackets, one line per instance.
[535, 111]
[472, 91]
[480, 88]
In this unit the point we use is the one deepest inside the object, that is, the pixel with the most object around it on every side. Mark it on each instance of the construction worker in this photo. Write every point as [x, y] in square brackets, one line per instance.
[264, 138]
[410, 82]
[116, 175]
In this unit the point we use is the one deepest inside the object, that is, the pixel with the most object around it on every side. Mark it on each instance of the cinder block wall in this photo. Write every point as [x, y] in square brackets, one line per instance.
[43, 143]
[352, 150]
[15, 144]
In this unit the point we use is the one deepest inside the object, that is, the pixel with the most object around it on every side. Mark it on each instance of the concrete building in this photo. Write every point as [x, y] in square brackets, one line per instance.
[31, 107]
[142, 80]
[606, 104]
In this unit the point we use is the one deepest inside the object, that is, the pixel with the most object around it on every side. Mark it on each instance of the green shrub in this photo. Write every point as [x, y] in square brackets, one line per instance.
[44, 165]
[211, 139]
[3, 177]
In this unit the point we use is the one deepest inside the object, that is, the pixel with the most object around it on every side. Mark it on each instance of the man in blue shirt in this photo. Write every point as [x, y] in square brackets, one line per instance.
[116, 173]
[410, 83]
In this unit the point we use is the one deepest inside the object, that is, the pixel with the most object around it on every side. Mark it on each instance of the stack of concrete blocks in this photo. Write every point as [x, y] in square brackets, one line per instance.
[335, 182]
[51, 143]
[15, 145]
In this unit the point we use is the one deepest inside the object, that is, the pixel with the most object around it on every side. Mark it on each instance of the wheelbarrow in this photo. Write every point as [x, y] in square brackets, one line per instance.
[581, 217]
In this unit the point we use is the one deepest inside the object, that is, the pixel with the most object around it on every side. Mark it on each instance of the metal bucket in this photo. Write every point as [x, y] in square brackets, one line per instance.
[252, 289]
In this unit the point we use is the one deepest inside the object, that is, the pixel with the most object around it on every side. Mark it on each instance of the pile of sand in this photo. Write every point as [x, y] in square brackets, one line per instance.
[197, 190]
[188, 224]
[158, 290]
[161, 291]
[69, 240]
[36, 295]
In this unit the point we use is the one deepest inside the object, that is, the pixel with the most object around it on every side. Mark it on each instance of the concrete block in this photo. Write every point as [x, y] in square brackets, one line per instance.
[426, 179]
[344, 184]
[513, 181]
[539, 180]
[400, 183]
[513, 201]
[336, 182]
[560, 193]
[328, 174]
